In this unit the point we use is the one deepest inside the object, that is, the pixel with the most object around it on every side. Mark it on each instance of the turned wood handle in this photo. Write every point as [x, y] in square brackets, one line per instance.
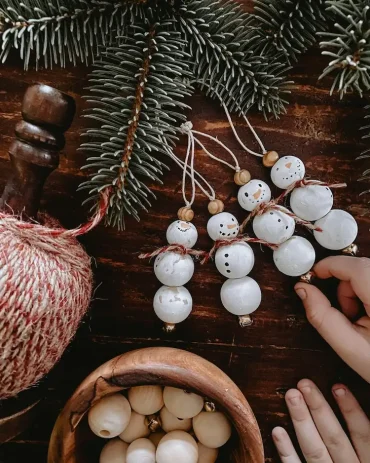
[47, 113]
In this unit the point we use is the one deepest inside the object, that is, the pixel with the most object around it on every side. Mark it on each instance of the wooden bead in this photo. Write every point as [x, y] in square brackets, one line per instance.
[185, 213]
[215, 207]
[270, 158]
[242, 177]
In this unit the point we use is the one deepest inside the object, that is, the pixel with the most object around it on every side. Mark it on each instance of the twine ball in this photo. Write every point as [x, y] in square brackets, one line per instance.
[45, 289]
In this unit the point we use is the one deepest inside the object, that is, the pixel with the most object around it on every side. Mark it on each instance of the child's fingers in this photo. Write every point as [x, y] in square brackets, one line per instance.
[352, 269]
[357, 422]
[284, 446]
[336, 329]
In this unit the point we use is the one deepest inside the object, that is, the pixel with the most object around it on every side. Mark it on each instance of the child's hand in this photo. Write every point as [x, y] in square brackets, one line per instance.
[320, 435]
[348, 332]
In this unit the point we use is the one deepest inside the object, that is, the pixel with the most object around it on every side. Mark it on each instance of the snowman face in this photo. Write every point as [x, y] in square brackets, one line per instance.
[274, 226]
[223, 226]
[286, 171]
[181, 232]
[253, 193]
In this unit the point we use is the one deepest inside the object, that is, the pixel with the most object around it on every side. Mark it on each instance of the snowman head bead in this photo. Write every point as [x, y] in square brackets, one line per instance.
[181, 232]
[173, 269]
[286, 171]
[223, 226]
[235, 260]
[311, 202]
[253, 194]
[172, 304]
[295, 257]
[339, 230]
[274, 226]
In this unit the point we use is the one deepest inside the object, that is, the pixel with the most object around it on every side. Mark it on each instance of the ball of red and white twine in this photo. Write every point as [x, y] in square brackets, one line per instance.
[45, 289]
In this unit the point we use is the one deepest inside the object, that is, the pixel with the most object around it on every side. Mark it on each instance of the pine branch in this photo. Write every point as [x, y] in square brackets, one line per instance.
[365, 154]
[284, 29]
[223, 62]
[349, 46]
[136, 92]
[59, 32]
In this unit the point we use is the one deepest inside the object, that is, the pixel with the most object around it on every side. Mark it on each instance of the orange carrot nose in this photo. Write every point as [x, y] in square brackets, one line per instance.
[230, 227]
[184, 225]
[289, 165]
[257, 194]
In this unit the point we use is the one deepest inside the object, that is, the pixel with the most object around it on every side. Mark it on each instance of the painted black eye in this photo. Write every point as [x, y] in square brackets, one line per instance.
[233, 220]
[221, 224]
[277, 168]
[271, 213]
[228, 271]
[286, 228]
[227, 264]
[279, 220]
[246, 195]
[226, 255]
[260, 185]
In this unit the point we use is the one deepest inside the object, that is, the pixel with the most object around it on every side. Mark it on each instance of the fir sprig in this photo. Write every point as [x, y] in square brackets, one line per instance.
[284, 29]
[58, 32]
[349, 46]
[137, 91]
[224, 64]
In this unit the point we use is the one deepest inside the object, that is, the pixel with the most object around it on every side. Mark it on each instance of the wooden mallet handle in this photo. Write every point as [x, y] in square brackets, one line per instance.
[47, 113]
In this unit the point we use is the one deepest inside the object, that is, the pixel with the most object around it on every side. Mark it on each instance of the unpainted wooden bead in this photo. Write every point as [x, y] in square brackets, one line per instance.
[141, 451]
[110, 416]
[185, 213]
[146, 400]
[181, 403]
[136, 428]
[216, 206]
[242, 177]
[156, 437]
[270, 158]
[171, 423]
[114, 452]
[177, 446]
[206, 455]
[212, 429]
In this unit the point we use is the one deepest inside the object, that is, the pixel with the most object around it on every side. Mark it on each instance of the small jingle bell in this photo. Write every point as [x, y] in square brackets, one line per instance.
[185, 213]
[270, 158]
[153, 422]
[245, 320]
[215, 207]
[242, 177]
[209, 406]
[351, 250]
[308, 277]
[169, 328]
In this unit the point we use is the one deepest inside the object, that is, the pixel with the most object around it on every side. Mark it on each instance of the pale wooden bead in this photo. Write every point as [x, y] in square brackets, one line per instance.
[178, 447]
[141, 451]
[114, 452]
[206, 455]
[242, 177]
[156, 437]
[216, 206]
[212, 429]
[110, 416]
[171, 423]
[136, 428]
[270, 158]
[146, 400]
[181, 403]
[185, 213]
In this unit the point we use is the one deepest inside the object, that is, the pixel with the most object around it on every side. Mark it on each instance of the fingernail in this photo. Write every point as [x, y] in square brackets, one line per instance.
[301, 293]
[340, 392]
[294, 401]
[306, 389]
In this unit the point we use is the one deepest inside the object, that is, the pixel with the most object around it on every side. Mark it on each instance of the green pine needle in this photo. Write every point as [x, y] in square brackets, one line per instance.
[136, 94]
[348, 47]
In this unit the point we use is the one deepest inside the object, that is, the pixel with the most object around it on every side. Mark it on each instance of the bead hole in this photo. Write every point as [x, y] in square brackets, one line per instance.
[104, 433]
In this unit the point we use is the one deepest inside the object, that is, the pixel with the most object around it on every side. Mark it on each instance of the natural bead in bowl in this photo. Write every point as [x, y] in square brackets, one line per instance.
[171, 423]
[177, 446]
[141, 451]
[206, 455]
[212, 429]
[136, 428]
[114, 451]
[181, 403]
[146, 400]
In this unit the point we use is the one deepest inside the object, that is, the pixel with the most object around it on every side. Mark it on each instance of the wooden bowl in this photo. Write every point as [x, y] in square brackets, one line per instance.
[71, 441]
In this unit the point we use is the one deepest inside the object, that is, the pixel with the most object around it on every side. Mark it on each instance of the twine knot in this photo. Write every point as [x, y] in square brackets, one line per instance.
[186, 127]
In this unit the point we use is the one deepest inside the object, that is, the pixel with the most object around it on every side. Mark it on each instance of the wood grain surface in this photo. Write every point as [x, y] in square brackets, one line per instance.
[280, 347]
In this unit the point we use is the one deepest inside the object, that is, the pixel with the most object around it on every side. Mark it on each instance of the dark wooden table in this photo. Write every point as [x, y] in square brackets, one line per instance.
[281, 347]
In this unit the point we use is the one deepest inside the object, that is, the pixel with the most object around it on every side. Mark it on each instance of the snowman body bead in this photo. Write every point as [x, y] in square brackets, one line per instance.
[241, 296]
[182, 404]
[141, 451]
[223, 226]
[274, 226]
[110, 416]
[311, 202]
[173, 269]
[181, 232]
[172, 304]
[286, 171]
[177, 447]
[114, 452]
[235, 260]
[295, 257]
[339, 230]
[253, 194]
